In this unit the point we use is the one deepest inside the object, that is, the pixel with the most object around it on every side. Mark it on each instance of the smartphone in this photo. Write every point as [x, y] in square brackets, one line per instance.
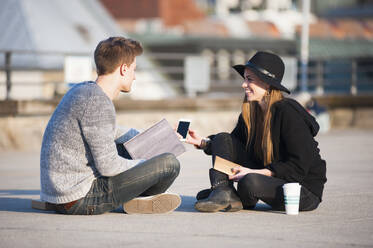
[183, 127]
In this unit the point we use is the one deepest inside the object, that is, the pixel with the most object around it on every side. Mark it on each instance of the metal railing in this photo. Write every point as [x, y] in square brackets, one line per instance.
[341, 76]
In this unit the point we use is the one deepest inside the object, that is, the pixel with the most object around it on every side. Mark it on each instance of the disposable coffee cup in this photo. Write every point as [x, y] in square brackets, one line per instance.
[291, 198]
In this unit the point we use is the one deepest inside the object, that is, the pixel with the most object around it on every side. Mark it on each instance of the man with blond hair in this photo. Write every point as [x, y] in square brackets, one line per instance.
[81, 171]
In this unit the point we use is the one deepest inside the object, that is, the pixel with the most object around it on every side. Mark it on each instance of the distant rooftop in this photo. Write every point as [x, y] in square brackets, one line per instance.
[346, 31]
[56, 26]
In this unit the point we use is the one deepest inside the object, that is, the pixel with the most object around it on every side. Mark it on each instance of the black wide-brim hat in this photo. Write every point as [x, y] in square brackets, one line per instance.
[268, 67]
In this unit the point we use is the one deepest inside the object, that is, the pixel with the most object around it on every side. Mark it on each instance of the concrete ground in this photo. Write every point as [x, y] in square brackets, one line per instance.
[344, 218]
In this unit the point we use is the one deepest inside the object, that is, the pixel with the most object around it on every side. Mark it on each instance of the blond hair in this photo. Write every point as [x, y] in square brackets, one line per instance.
[258, 124]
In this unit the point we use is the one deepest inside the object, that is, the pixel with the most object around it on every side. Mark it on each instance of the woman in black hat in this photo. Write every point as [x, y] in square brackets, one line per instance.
[273, 141]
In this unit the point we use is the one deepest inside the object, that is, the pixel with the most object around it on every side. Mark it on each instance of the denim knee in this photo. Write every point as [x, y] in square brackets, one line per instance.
[171, 163]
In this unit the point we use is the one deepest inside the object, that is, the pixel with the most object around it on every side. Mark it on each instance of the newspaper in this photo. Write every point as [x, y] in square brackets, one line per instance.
[159, 138]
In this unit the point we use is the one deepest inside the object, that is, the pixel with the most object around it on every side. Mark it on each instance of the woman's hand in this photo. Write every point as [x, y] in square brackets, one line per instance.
[193, 138]
[239, 172]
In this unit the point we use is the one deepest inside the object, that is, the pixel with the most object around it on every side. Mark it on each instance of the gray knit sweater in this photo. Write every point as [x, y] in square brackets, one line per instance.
[78, 145]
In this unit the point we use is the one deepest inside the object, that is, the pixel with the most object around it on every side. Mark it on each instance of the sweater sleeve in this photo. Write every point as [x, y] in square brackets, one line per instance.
[98, 128]
[299, 146]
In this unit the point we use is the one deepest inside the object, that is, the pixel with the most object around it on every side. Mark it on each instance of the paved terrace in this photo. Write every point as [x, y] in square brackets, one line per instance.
[344, 219]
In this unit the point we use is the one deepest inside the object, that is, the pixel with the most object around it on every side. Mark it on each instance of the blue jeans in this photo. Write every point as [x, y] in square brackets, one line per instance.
[151, 177]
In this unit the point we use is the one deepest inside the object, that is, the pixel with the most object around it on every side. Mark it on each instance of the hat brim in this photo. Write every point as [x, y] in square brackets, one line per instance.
[272, 82]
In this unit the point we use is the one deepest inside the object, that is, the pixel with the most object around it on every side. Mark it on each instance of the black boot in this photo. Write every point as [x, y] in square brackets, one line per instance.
[222, 195]
[203, 194]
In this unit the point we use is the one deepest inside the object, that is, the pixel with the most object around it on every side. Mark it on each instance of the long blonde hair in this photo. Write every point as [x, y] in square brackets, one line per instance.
[258, 124]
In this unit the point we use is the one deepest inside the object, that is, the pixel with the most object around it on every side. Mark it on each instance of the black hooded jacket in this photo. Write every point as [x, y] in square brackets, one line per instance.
[295, 151]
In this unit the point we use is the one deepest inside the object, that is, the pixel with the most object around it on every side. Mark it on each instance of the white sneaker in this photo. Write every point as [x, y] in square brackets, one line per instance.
[155, 204]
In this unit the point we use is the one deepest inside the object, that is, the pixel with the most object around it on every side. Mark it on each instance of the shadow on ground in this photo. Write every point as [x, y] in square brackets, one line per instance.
[13, 203]
[19, 192]
[10, 201]
[187, 204]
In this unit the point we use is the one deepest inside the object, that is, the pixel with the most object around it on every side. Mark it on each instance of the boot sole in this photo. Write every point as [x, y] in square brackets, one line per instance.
[211, 207]
[158, 204]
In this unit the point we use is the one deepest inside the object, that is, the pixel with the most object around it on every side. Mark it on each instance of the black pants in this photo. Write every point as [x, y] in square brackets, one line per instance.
[151, 177]
[254, 187]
